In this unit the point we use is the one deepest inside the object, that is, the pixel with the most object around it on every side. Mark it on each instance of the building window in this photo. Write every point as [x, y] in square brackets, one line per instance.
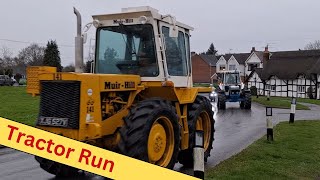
[232, 67]
[251, 67]
[269, 87]
[222, 67]
[301, 89]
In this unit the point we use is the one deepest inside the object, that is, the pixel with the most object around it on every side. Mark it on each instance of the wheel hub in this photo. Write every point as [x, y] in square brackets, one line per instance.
[203, 123]
[156, 142]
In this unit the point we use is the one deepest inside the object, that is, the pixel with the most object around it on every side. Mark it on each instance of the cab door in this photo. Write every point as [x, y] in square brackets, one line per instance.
[177, 56]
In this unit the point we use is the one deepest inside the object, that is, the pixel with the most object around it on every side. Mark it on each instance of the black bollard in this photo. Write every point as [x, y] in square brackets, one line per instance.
[198, 155]
[269, 123]
[293, 109]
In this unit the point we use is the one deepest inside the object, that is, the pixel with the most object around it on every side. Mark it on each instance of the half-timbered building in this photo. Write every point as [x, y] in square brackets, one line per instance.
[288, 74]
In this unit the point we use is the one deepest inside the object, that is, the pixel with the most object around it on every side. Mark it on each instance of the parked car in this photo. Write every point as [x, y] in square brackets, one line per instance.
[5, 80]
[22, 81]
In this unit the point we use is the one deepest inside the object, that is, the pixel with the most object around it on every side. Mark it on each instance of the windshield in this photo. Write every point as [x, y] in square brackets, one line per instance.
[232, 78]
[126, 50]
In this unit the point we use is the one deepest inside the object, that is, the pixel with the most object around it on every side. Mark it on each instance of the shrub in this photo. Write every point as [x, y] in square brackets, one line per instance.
[253, 90]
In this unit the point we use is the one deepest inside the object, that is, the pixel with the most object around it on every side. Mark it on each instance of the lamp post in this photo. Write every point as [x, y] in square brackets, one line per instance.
[198, 155]
[293, 109]
[269, 123]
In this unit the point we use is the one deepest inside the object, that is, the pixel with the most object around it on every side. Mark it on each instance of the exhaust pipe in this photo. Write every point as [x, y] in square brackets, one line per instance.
[78, 44]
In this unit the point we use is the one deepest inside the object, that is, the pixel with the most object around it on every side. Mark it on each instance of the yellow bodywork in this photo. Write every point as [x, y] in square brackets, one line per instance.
[33, 77]
[101, 132]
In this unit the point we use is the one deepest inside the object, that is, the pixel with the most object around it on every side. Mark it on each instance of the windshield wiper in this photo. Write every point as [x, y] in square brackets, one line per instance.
[128, 46]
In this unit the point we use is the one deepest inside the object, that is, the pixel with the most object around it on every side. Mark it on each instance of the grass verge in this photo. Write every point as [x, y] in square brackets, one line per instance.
[295, 154]
[306, 100]
[17, 105]
[278, 102]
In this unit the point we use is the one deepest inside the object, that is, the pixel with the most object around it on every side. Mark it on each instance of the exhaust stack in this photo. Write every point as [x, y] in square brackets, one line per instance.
[78, 44]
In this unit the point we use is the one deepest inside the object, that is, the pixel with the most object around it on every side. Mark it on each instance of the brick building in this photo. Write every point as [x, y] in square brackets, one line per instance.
[203, 67]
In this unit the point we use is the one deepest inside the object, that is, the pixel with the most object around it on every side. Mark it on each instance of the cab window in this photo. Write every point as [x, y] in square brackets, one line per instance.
[175, 53]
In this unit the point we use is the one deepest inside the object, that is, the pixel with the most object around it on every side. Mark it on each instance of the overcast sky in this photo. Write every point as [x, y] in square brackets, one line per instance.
[232, 25]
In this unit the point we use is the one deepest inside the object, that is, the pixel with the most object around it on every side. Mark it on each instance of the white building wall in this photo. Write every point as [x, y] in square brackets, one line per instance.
[257, 82]
[220, 62]
[253, 59]
[276, 86]
[233, 61]
[241, 69]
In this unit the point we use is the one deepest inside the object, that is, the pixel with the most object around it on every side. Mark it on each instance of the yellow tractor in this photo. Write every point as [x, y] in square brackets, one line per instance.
[139, 99]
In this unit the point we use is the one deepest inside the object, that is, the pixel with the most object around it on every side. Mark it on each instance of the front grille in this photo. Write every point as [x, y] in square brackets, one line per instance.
[60, 99]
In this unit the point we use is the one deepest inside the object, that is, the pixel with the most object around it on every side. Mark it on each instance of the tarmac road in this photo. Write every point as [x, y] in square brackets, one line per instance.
[235, 130]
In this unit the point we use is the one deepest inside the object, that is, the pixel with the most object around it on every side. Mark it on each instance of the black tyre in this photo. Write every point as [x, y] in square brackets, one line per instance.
[151, 133]
[58, 169]
[247, 101]
[199, 111]
[241, 104]
[221, 101]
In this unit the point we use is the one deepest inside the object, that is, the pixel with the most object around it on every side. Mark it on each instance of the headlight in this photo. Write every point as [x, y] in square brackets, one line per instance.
[213, 94]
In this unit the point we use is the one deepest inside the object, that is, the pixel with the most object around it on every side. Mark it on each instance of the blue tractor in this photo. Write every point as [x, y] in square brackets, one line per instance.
[231, 89]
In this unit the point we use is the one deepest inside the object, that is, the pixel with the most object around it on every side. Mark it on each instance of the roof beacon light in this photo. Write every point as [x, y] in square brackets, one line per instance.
[143, 19]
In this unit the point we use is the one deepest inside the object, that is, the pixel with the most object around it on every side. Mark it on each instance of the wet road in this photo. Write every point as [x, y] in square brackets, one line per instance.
[235, 130]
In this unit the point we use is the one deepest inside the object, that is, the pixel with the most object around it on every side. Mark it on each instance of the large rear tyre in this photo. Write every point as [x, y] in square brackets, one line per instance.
[221, 101]
[151, 133]
[200, 117]
[247, 101]
[58, 169]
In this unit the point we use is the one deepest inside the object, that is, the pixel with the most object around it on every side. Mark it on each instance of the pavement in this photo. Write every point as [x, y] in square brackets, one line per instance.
[235, 130]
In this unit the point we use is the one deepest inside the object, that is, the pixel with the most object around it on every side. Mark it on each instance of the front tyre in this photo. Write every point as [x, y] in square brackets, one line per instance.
[151, 133]
[221, 101]
[247, 101]
[58, 169]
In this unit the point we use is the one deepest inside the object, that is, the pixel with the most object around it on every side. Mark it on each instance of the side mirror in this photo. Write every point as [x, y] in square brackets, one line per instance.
[173, 32]
[84, 36]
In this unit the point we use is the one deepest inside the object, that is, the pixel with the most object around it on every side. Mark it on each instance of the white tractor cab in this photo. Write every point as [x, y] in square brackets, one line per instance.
[231, 89]
[143, 42]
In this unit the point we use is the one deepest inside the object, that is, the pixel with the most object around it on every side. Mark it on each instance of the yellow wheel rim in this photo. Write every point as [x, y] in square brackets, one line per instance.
[204, 124]
[161, 142]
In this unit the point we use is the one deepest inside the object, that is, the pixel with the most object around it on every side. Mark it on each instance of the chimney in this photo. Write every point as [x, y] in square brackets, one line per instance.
[253, 49]
[266, 54]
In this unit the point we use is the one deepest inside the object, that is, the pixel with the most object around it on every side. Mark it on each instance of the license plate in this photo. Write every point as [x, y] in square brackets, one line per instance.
[53, 121]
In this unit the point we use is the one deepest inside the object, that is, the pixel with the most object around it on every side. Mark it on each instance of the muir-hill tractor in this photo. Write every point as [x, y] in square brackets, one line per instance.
[231, 89]
[138, 101]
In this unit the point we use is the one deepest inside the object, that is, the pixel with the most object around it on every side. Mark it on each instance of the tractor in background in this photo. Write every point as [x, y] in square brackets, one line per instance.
[231, 89]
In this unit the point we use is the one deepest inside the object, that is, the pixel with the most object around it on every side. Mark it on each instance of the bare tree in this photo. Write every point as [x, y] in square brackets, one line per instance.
[32, 55]
[6, 61]
[313, 45]
[19, 66]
